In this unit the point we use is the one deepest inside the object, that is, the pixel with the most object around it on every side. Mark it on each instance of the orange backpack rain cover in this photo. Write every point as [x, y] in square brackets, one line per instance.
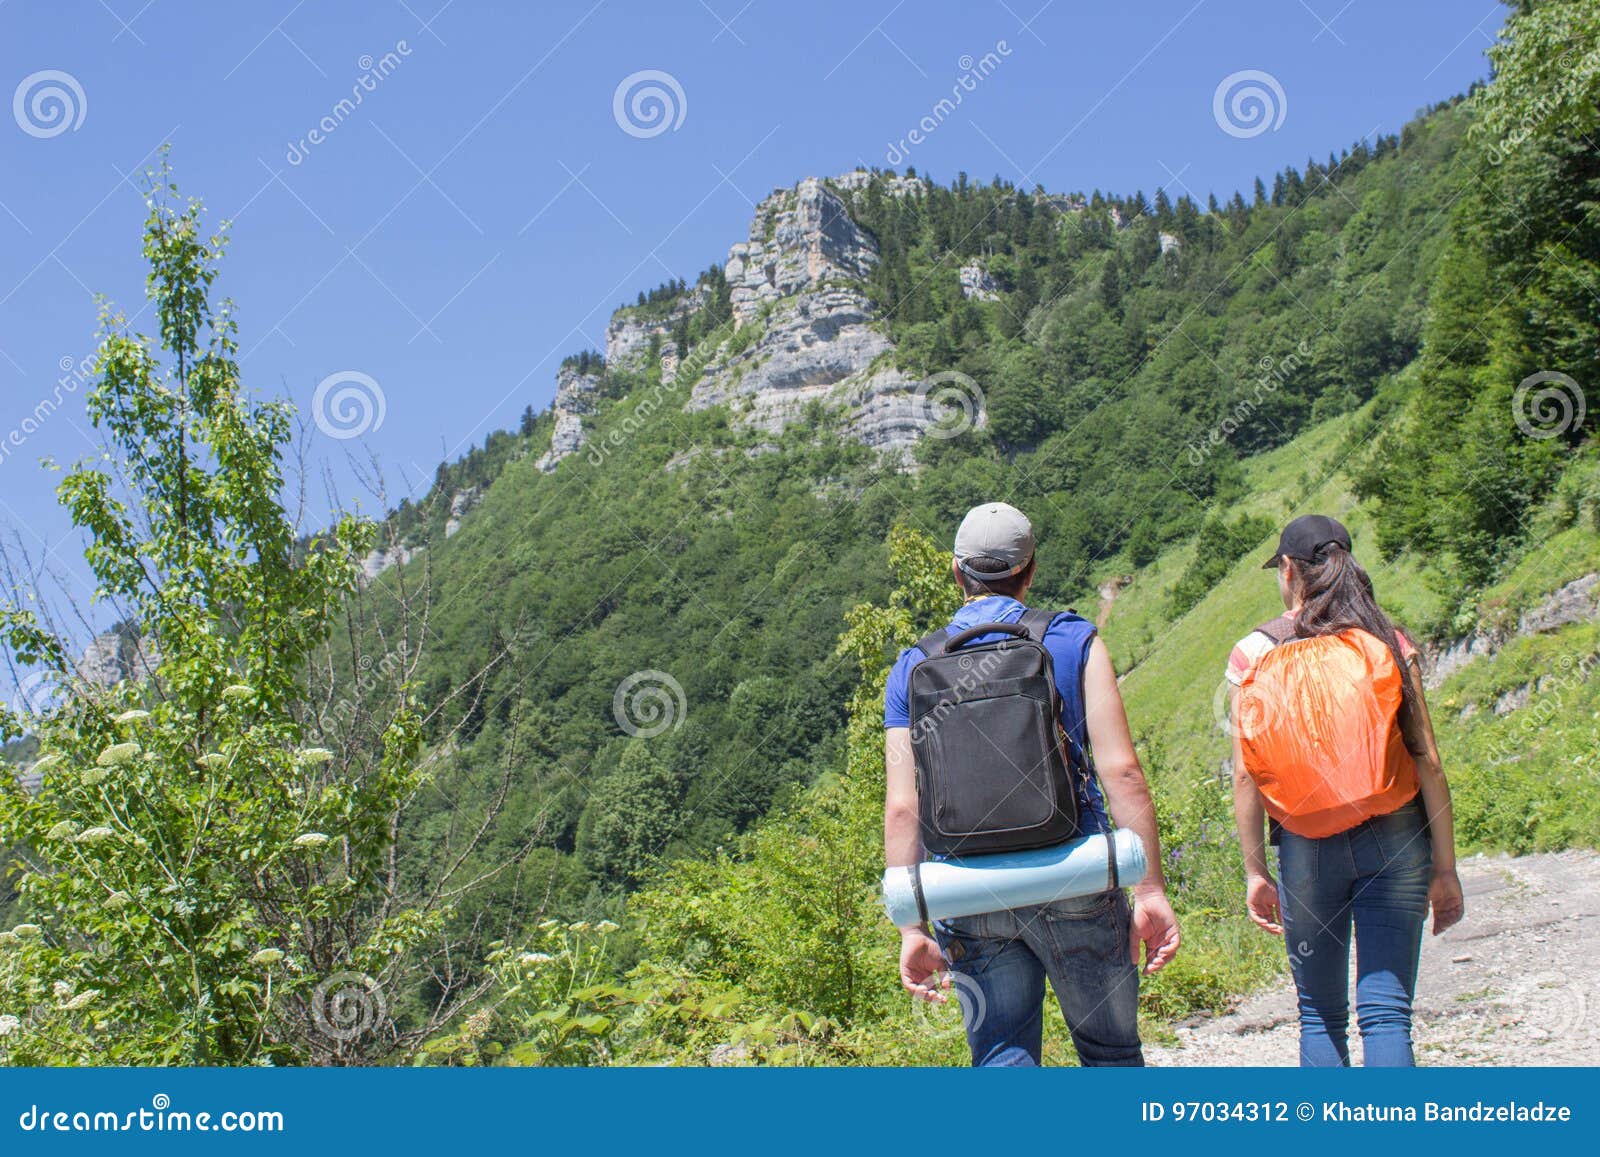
[1319, 732]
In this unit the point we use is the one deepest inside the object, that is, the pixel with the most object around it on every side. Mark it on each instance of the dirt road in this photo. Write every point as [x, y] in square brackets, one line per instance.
[1516, 983]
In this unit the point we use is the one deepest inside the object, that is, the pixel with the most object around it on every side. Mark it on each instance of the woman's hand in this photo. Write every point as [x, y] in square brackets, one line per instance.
[922, 970]
[1444, 895]
[1261, 900]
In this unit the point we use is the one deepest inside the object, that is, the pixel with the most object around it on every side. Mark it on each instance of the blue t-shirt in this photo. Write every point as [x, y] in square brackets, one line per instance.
[1067, 640]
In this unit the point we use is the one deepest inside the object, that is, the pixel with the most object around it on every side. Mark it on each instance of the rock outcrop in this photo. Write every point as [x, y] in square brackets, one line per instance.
[800, 238]
[575, 400]
[799, 278]
[116, 655]
[460, 503]
[1576, 602]
[977, 284]
[380, 560]
[894, 186]
[629, 333]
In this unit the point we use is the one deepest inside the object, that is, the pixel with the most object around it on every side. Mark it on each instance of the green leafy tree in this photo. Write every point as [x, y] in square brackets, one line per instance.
[202, 880]
[634, 813]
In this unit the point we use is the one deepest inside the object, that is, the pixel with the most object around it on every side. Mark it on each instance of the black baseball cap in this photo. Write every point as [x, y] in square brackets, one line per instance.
[1307, 535]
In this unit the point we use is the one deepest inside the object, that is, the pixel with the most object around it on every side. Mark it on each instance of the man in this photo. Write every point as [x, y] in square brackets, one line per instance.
[1088, 947]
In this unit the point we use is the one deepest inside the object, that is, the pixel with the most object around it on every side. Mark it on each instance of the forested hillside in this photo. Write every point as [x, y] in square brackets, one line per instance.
[638, 644]
[1120, 387]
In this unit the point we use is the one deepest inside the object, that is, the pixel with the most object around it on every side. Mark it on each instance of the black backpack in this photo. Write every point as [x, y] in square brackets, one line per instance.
[991, 762]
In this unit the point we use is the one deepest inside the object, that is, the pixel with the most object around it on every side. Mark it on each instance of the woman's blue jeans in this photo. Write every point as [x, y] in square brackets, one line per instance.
[1374, 877]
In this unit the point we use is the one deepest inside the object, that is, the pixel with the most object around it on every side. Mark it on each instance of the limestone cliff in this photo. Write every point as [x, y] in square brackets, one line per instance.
[798, 284]
[575, 400]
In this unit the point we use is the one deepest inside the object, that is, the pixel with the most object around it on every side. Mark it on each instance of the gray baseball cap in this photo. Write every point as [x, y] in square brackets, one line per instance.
[994, 530]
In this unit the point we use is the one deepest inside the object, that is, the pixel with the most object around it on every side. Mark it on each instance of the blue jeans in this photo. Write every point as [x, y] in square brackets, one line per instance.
[1374, 876]
[999, 962]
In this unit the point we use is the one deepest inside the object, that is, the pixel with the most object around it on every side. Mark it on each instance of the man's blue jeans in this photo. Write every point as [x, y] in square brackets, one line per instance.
[1374, 876]
[1000, 962]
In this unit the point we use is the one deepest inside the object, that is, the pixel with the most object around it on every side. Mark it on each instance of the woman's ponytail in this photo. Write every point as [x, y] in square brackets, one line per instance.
[1336, 595]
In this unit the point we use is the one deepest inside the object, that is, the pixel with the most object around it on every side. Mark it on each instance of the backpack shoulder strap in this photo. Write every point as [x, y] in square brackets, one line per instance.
[934, 643]
[1279, 630]
[1036, 622]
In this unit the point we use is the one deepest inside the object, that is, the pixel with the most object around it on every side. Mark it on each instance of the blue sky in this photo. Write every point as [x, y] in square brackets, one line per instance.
[481, 211]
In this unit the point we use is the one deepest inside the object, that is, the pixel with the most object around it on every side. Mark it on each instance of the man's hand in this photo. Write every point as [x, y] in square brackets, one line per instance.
[1261, 900]
[922, 970]
[1154, 925]
[1444, 894]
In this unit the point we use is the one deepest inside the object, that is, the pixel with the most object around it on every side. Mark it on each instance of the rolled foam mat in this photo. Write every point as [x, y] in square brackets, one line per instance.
[977, 884]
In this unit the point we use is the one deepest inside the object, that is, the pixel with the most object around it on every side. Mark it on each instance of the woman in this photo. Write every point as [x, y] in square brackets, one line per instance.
[1359, 803]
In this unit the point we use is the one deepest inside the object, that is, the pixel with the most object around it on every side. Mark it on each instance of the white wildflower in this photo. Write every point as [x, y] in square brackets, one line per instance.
[26, 931]
[87, 997]
[46, 761]
[238, 691]
[134, 716]
[535, 958]
[117, 754]
[267, 956]
[94, 776]
[62, 989]
[93, 835]
[118, 900]
[312, 840]
[9, 1024]
[606, 926]
[64, 830]
[212, 760]
[315, 755]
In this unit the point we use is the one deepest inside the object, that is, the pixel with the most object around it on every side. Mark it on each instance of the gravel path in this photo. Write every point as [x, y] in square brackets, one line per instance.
[1515, 983]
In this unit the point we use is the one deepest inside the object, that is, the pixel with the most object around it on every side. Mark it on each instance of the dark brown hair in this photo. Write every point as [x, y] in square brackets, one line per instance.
[1336, 595]
[1011, 586]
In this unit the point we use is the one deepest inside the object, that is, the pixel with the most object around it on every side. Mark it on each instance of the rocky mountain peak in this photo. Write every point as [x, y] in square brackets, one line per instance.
[799, 238]
[800, 277]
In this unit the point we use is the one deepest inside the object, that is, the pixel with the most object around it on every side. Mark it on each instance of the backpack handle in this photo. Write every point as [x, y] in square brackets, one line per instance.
[971, 633]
